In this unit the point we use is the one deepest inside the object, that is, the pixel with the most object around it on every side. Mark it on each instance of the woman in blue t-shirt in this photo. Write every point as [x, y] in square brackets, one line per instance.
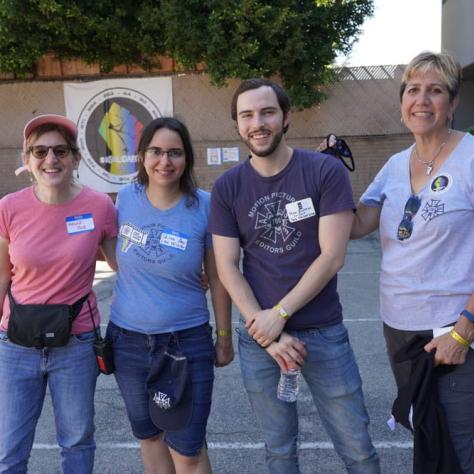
[159, 311]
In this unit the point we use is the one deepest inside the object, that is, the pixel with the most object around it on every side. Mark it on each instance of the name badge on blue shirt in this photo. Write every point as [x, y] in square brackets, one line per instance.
[79, 224]
[174, 239]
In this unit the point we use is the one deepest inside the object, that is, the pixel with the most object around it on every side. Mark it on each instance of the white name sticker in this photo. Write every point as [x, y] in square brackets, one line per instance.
[79, 224]
[134, 235]
[173, 239]
[299, 210]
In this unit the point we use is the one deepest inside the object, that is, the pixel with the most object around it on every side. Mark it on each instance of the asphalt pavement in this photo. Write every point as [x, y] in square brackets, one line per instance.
[235, 444]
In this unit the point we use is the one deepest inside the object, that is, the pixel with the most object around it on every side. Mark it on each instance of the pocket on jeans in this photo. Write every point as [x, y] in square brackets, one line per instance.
[3, 336]
[113, 332]
[197, 334]
[244, 336]
[336, 334]
[84, 338]
[462, 379]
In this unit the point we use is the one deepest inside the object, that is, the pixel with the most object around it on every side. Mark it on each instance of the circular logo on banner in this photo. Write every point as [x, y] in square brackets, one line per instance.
[109, 128]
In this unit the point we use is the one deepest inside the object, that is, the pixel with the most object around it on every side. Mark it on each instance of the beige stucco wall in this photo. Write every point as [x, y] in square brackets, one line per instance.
[366, 112]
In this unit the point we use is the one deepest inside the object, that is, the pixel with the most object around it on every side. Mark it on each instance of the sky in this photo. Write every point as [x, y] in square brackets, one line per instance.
[398, 31]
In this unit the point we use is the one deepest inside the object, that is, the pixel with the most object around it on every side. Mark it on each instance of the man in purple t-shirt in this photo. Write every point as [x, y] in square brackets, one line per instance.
[291, 212]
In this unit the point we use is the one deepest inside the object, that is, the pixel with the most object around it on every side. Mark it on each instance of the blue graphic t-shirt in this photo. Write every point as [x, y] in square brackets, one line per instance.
[160, 254]
[277, 221]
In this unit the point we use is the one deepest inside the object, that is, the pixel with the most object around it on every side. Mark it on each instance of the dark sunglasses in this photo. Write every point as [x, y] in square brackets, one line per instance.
[41, 151]
[406, 225]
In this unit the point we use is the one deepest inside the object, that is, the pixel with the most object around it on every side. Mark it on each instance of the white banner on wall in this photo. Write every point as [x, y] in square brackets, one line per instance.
[110, 115]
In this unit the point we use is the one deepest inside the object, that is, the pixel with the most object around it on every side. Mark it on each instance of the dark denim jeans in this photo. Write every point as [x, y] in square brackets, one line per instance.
[133, 356]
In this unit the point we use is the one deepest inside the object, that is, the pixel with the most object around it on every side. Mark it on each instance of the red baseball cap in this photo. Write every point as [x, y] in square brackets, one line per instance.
[35, 122]
[68, 124]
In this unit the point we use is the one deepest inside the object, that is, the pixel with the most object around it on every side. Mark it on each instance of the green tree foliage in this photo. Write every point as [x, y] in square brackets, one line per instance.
[294, 39]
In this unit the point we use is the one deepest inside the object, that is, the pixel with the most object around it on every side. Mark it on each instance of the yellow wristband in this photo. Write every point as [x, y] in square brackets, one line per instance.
[281, 311]
[224, 332]
[457, 337]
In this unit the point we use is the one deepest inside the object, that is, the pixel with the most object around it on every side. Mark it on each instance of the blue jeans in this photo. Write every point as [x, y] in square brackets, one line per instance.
[133, 356]
[71, 373]
[333, 378]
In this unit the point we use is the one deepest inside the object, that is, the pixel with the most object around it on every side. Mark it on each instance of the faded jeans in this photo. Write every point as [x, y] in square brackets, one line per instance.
[333, 378]
[71, 373]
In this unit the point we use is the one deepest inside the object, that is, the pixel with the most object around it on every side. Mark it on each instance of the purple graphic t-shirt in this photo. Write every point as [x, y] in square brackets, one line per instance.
[276, 220]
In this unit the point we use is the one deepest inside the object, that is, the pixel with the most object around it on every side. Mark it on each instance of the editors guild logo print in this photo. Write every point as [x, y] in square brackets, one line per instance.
[277, 234]
[109, 128]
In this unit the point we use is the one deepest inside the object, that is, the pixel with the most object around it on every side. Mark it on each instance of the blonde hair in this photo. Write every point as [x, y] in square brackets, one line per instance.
[444, 64]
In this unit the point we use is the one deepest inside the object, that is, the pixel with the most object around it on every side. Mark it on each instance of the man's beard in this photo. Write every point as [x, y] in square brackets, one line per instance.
[271, 147]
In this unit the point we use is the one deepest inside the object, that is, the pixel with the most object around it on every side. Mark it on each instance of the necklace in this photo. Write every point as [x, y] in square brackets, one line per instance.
[429, 164]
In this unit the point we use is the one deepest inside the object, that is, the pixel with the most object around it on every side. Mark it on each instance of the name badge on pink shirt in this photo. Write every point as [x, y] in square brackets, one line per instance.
[79, 224]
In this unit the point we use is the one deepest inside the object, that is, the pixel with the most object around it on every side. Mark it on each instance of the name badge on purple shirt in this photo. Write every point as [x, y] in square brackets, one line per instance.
[299, 210]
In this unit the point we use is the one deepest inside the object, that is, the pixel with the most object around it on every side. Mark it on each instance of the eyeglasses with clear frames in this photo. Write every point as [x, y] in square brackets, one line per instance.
[157, 152]
[41, 151]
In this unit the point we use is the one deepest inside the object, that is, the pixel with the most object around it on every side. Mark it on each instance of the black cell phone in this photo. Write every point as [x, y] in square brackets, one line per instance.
[104, 354]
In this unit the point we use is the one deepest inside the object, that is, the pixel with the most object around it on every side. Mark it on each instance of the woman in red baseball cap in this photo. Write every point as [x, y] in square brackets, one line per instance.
[50, 234]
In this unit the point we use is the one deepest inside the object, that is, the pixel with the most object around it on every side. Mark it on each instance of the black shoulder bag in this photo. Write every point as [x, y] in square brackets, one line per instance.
[41, 325]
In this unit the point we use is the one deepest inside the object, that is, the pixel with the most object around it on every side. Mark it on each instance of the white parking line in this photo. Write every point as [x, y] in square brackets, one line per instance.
[238, 446]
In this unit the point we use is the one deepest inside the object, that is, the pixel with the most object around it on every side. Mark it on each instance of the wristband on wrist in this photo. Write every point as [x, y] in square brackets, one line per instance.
[457, 337]
[224, 332]
[468, 315]
[281, 311]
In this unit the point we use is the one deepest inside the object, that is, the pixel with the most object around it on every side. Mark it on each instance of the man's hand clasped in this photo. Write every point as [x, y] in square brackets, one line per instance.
[265, 326]
[289, 352]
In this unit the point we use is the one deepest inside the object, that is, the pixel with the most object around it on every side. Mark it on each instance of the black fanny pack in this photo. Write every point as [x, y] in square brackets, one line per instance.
[41, 325]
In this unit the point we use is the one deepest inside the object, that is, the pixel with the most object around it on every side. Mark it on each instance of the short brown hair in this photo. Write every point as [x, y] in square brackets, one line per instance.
[250, 84]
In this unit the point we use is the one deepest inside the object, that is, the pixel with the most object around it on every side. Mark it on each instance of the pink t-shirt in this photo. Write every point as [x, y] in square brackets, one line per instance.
[53, 249]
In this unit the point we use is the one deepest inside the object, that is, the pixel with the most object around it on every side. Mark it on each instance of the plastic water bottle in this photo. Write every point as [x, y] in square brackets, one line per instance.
[288, 385]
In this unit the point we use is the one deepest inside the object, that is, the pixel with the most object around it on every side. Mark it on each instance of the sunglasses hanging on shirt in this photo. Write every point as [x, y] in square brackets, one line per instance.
[405, 228]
